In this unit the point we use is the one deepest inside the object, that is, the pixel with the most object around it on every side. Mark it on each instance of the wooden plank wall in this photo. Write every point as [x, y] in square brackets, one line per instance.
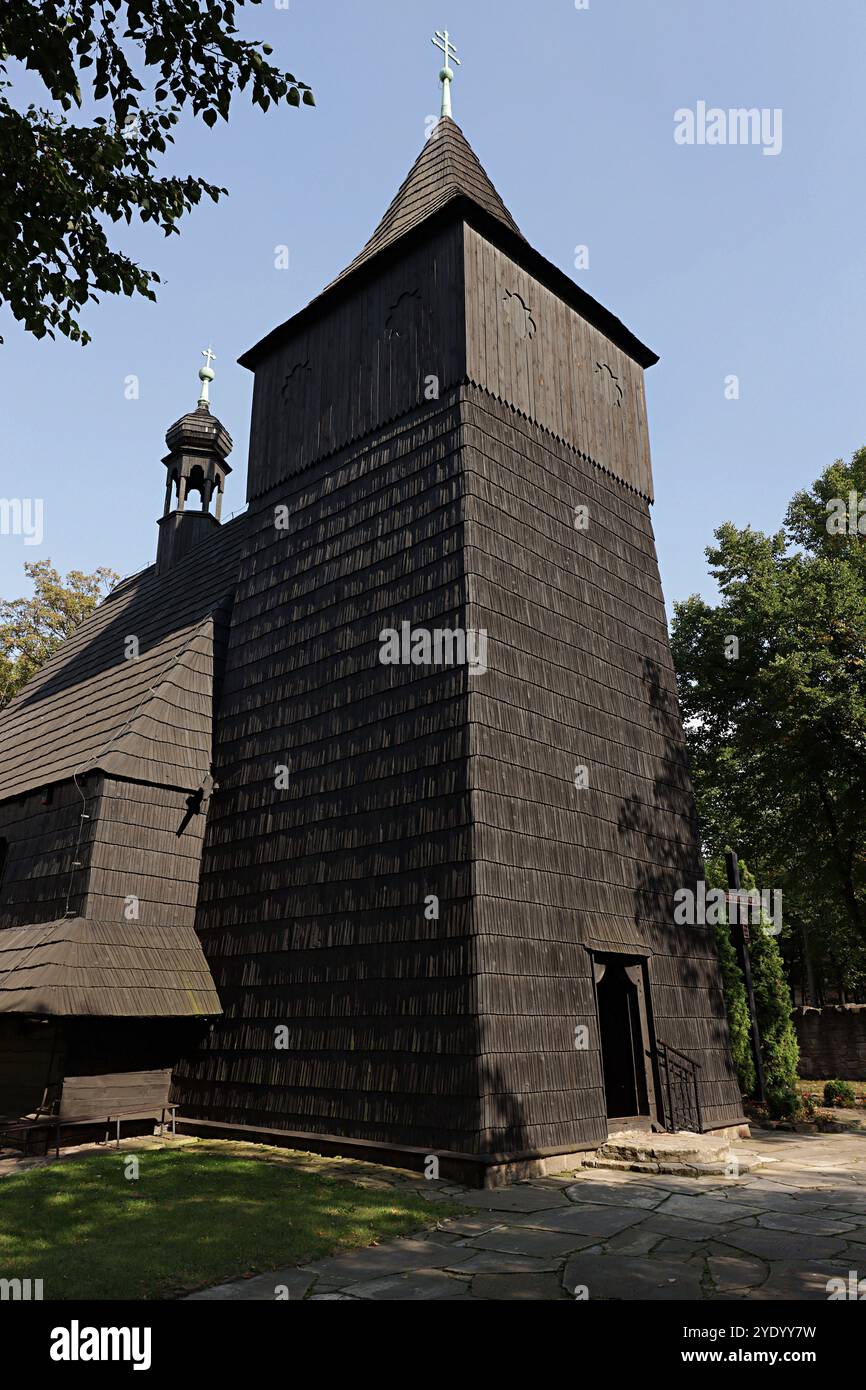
[31, 1054]
[362, 363]
[312, 908]
[580, 673]
[563, 373]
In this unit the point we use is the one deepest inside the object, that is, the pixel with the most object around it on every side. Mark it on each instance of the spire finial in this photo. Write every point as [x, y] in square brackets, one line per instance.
[206, 375]
[442, 40]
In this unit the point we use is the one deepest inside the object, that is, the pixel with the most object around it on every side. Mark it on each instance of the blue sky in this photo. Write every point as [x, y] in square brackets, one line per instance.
[725, 260]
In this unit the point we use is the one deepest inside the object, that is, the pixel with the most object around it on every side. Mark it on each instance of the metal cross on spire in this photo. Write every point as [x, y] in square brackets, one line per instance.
[206, 374]
[442, 40]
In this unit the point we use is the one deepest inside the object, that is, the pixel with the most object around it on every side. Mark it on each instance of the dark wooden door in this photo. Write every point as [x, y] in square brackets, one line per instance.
[622, 1043]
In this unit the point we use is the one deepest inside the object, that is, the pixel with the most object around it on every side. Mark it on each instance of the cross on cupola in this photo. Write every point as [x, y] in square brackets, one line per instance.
[206, 375]
[442, 41]
[195, 464]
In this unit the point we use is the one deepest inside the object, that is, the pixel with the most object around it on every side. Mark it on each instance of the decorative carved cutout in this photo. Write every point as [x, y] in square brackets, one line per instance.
[295, 383]
[518, 315]
[608, 386]
[403, 315]
[294, 394]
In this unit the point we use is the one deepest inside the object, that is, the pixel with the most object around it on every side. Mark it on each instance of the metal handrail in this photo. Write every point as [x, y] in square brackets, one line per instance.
[692, 1063]
[690, 1070]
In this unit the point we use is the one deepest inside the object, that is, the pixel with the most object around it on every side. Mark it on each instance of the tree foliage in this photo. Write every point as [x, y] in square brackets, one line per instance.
[780, 1052]
[133, 66]
[734, 989]
[777, 735]
[31, 629]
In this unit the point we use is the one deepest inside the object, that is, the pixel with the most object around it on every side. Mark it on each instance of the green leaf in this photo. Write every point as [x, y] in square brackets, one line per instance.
[64, 186]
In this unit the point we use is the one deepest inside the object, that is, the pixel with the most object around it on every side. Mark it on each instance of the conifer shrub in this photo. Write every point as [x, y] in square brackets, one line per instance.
[737, 1010]
[779, 1048]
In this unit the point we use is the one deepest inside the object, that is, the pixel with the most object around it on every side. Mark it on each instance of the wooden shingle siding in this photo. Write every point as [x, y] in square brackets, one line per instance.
[312, 901]
[579, 673]
[408, 781]
[42, 843]
[137, 851]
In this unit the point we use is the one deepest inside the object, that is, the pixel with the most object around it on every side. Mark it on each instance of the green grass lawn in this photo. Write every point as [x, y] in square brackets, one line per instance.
[196, 1215]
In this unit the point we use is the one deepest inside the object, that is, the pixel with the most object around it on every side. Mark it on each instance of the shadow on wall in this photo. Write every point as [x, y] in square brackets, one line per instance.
[506, 1125]
[665, 840]
[665, 863]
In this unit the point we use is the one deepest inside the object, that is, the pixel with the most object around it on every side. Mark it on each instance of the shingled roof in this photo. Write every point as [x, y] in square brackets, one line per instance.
[149, 718]
[446, 168]
[101, 969]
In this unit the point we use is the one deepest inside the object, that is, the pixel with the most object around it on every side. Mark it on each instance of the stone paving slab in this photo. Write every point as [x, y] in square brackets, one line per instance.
[522, 1198]
[731, 1273]
[518, 1287]
[630, 1278]
[616, 1194]
[473, 1225]
[797, 1280]
[823, 1225]
[681, 1227]
[584, 1221]
[418, 1287]
[713, 1208]
[395, 1257]
[634, 1241]
[261, 1288]
[500, 1262]
[525, 1240]
[781, 1245]
[780, 1232]
[677, 1245]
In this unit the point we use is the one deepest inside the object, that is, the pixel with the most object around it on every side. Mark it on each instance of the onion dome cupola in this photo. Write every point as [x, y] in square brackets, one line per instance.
[199, 445]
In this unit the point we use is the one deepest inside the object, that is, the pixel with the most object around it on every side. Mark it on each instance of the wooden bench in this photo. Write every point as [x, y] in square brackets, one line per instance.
[129, 1095]
[117, 1096]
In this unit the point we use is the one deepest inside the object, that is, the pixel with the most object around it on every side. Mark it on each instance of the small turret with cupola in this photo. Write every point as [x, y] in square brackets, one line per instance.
[196, 464]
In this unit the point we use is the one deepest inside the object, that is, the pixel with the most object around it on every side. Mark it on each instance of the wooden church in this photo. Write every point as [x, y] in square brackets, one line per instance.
[403, 907]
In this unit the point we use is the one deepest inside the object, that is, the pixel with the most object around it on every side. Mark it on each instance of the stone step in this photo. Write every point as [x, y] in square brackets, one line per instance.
[684, 1154]
[745, 1164]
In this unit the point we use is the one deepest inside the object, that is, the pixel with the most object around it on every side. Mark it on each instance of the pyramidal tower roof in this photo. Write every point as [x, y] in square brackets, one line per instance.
[446, 168]
[448, 173]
